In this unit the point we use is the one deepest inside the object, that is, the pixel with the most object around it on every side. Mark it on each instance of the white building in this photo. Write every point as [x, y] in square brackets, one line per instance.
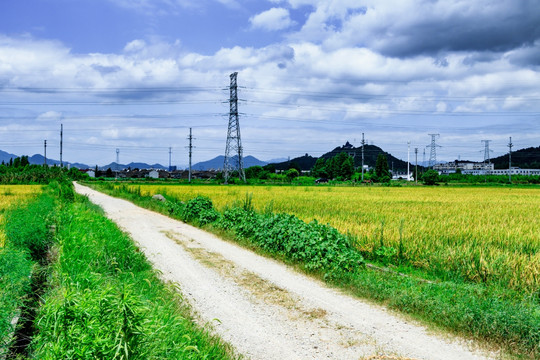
[466, 167]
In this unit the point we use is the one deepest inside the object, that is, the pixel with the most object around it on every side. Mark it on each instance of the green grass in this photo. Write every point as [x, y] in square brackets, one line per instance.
[27, 237]
[15, 269]
[503, 317]
[106, 302]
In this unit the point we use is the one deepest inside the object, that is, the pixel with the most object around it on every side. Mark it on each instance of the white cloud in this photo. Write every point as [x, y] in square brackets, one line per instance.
[135, 45]
[272, 20]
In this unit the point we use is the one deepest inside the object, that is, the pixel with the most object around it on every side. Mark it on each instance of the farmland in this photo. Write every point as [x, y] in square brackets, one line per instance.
[475, 234]
[11, 194]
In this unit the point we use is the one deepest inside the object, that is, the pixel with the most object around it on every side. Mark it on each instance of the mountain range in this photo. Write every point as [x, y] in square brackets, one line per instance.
[524, 158]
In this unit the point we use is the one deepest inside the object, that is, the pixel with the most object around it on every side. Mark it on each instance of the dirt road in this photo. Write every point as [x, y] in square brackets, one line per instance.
[262, 307]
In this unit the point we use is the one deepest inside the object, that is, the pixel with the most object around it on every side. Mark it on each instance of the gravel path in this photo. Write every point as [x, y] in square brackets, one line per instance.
[264, 308]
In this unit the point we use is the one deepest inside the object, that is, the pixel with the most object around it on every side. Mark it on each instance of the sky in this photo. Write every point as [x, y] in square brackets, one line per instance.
[136, 75]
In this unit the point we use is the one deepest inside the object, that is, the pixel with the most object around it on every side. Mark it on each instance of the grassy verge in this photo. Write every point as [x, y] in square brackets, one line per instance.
[15, 270]
[500, 316]
[104, 300]
[27, 238]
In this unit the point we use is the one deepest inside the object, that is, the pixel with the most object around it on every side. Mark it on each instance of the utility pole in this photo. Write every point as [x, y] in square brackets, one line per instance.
[408, 152]
[433, 152]
[416, 166]
[170, 152]
[424, 158]
[234, 142]
[117, 162]
[363, 142]
[45, 152]
[61, 138]
[510, 160]
[190, 148]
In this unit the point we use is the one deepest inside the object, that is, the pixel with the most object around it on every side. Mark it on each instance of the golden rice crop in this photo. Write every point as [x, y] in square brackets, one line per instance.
[10, 194]
[482, 234]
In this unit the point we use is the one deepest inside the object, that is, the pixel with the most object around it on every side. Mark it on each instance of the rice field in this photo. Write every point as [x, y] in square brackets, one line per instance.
[10, 194]
[489, 235]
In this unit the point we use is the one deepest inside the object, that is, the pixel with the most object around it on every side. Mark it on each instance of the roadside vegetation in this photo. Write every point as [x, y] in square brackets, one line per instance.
[15, 267]
[73, 286]
[465, 259]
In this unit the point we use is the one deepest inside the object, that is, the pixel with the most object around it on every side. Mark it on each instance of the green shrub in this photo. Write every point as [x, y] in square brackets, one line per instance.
[199, 209]
[317, 247]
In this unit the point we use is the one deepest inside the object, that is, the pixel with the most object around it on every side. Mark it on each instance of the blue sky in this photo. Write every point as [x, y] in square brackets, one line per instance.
[137, 74]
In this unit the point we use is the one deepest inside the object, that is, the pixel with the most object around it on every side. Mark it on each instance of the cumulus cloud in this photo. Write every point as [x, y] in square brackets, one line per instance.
[272, 20]
[405, 28]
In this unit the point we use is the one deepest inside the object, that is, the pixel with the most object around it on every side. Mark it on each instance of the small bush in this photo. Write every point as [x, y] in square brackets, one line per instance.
[196, 207]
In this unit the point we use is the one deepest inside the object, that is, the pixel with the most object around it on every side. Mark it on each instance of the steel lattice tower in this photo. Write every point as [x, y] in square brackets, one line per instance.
[487, 159]
[234, 142]
[433, 153]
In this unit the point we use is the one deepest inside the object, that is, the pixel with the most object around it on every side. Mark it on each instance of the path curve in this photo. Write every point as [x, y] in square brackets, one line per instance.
[265, 309]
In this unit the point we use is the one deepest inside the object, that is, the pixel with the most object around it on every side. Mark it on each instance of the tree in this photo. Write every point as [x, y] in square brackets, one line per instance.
[430, 177]
[319, 169]
[347, 168]
[109, 173]
[271, 168]
[339, 166]
[291, 174]
[382, 174]
[254, 172]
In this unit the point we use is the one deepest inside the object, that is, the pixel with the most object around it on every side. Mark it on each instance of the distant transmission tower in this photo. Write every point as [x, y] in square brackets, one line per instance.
[234, 142]
[433, 152]
[487, 160]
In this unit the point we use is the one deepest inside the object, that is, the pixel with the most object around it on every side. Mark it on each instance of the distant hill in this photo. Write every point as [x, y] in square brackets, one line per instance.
[5, 157]
[217, 163]
[528, 158]
[371, 152]
[305, 162]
